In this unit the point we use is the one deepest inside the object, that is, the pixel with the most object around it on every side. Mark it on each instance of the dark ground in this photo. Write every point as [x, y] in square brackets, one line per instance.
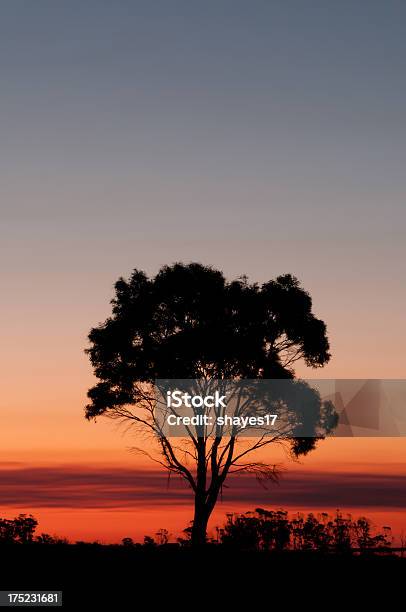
[126, 578]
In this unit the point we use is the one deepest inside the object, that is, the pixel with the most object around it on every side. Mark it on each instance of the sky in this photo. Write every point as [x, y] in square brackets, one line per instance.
[261, 137]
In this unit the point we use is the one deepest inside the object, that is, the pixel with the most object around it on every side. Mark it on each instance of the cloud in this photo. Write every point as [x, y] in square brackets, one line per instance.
[87, 486]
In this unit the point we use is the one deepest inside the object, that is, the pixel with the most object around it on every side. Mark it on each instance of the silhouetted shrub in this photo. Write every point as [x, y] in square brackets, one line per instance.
[274, 530]
[45, 538]
[19, 530]
[127, 542]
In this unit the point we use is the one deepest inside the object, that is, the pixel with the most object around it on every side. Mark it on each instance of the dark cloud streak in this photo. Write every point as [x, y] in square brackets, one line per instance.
[82, 487]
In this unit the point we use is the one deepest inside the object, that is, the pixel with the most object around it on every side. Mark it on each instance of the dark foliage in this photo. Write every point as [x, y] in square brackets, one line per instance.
[19, 530]
[275, 530]
[188, 322]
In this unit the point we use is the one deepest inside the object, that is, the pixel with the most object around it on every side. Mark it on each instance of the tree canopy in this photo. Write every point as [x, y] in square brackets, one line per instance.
[188, 322]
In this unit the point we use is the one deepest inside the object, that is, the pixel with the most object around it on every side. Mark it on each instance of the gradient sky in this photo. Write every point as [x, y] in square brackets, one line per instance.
[261, 137]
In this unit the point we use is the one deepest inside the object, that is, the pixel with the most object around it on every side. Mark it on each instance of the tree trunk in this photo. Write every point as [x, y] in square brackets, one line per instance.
[201, 516]
[205, 501]
[199, 527]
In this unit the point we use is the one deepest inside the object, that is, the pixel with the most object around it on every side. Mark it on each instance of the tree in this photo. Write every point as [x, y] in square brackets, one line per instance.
[275, 530]
[188, 322]
[129, 542]
[19, 530]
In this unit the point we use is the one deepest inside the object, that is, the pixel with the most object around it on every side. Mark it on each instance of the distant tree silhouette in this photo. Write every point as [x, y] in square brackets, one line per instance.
[19, 530]
[275, 530]
[260, 530]
[46, 538]
[162, 536]
[188, 322]
[149, 542]
[127, 542]
[186, 539]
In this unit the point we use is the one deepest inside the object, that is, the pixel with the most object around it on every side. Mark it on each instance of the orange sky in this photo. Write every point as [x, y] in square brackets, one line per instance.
[56, 439]
[43, 427]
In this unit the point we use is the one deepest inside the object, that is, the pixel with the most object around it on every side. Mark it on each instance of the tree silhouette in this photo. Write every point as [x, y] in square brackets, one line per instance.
[19, 530]
[188, 322]
[275, 530]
